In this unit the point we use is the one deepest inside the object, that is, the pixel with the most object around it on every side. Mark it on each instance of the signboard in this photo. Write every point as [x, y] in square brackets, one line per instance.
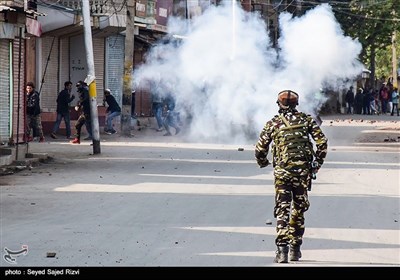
[163, 11]
[141, 6]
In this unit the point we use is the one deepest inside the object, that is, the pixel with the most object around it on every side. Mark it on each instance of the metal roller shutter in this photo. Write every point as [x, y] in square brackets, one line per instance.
[98, 54]
[78, 64]
[64, 62]
[4, 90]
[18, 122]
[115, 52]
[49, 91]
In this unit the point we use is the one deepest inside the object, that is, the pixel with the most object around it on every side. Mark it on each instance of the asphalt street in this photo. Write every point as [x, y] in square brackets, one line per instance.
[162, 201]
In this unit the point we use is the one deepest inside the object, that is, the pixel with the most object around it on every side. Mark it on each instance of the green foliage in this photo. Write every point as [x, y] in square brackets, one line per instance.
[372, 23]
[383, 60]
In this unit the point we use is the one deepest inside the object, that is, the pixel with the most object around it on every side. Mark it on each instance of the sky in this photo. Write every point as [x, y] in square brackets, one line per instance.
[225, 74]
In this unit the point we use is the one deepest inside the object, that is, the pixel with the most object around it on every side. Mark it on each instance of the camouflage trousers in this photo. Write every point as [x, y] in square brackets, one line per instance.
[83, 119]
[34, 123]
[291, 201]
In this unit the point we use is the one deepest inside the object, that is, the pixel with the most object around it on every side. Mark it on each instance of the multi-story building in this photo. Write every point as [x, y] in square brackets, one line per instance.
[18, 29]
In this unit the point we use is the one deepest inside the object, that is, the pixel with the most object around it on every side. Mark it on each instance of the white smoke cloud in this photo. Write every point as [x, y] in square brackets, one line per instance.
[226, 75]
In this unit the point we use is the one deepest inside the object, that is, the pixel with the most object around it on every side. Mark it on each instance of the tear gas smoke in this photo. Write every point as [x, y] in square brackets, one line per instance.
[225, 75]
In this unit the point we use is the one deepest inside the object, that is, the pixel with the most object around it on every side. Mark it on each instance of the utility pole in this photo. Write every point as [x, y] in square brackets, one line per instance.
[394, 55]
[394, 60]
[128, 68]
[91, 78]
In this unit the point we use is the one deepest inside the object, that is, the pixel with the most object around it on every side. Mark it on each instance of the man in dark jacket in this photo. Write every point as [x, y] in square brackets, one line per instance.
[171, 117]
[34, 121]
[63, 100]
[350, 100]
[112, 111]
[84, 106]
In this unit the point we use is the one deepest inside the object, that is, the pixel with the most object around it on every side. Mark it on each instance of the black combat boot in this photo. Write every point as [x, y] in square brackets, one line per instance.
[295, 253]
[282, 254]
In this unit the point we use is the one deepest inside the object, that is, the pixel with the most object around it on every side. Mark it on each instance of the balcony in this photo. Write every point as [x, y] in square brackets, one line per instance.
[108, 17]
[97, 7]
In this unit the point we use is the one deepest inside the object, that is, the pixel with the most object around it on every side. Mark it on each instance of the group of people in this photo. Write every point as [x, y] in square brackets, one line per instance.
[370, 102]
[64, 98]
[163, 107]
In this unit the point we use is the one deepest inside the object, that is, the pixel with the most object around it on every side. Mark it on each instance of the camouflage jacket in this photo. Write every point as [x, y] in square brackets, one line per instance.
[292, 149]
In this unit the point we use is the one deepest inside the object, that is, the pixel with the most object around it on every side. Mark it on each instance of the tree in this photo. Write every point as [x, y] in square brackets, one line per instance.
[373, 23]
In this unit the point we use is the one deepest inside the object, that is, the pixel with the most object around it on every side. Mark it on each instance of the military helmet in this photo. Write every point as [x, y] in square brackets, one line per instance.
[288, 98]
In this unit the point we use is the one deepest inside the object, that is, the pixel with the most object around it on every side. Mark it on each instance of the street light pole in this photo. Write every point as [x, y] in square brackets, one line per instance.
[394, 55]
[394, 60]
[128, 68]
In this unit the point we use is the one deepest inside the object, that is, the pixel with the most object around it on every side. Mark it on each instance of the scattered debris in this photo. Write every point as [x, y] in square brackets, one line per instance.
[50, 254]
[389, 139]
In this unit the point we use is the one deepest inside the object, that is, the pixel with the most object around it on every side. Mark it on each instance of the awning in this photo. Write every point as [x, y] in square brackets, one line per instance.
[35, 13]
[6, 8]
[157, 27]
[33, 27]
[148, 40]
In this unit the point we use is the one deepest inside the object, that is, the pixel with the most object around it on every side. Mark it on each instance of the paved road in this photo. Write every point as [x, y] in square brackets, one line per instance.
[147, 202]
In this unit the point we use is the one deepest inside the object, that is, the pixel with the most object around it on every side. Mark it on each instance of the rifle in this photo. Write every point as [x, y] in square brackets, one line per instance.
[314, 166]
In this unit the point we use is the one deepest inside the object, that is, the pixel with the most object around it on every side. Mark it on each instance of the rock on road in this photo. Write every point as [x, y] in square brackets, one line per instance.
[148, 202]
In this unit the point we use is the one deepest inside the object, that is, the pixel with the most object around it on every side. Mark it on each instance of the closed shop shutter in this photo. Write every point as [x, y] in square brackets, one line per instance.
[78, 65]
[98, 54]
[19, 99]
[4, 91]
[64, 63]
[115, 56]
[48, 94]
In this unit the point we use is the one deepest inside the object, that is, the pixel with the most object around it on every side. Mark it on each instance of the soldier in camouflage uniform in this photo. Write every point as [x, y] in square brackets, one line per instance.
[294, 162]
